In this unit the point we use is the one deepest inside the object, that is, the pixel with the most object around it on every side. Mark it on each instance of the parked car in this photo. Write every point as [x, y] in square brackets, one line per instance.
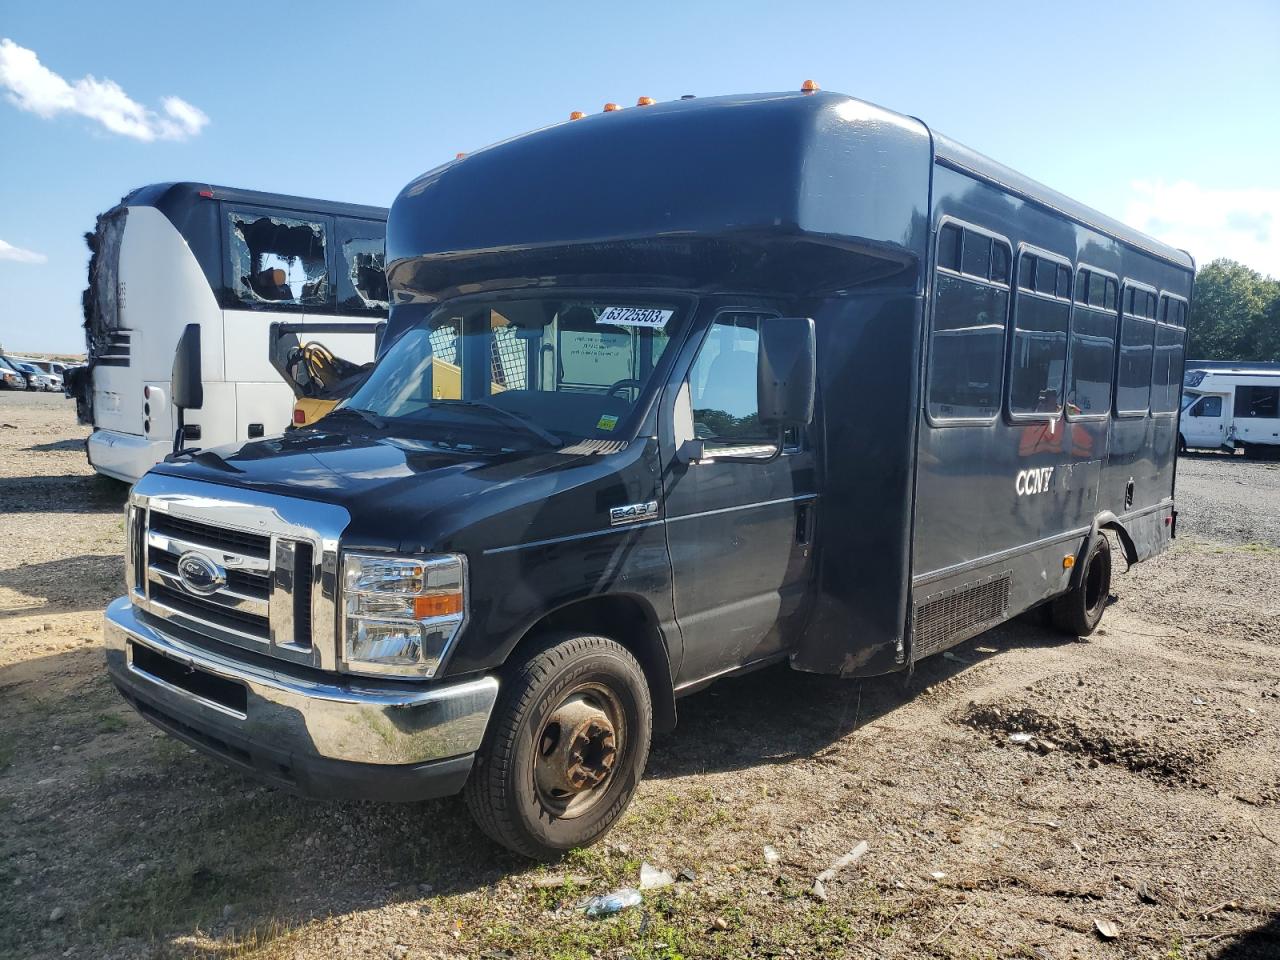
[37, 379]
[11, 378]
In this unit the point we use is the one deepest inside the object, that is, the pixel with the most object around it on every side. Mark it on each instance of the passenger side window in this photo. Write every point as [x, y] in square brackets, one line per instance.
[1042, 317]
[1091, 359]
[722, 383]
[966, 341]
[1137, 346]
[278, 259]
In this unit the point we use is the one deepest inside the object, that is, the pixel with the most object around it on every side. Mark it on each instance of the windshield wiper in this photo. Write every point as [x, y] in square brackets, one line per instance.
[368, 416]
[523, 423]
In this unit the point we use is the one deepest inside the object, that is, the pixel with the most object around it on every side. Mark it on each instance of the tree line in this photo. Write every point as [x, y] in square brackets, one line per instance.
[1235, 314]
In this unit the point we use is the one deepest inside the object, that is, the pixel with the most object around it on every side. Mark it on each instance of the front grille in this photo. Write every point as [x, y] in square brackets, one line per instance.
[948, 618]
[264, 601]
[239, 541]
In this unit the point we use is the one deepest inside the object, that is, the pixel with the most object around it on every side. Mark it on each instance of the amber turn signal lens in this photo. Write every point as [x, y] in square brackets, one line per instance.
[645, 102]
[809, 86]
[1068, 562]
[577, 115]
[437, 605]
[610, 107]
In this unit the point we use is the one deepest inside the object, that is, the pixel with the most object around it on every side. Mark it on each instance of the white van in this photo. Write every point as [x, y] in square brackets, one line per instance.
[1231, 407]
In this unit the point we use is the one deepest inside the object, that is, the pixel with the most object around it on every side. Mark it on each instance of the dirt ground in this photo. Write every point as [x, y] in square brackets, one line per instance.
[1140, 817]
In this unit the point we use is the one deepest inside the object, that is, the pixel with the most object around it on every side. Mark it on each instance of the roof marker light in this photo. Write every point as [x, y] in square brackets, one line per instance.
[645, 102]
[577, 115]
[809, 86]
[206, 194]
[611, 107]
[459, 156]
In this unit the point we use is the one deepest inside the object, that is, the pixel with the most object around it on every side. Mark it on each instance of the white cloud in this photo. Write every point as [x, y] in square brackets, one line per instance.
[1208, 222]
[9, 252]
[34, 87]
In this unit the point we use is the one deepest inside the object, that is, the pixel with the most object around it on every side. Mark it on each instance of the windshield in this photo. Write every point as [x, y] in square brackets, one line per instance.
[550, 369]
[1188, 399]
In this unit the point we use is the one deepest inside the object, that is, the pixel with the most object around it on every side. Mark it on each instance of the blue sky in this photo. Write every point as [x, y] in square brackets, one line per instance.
[1161, 114]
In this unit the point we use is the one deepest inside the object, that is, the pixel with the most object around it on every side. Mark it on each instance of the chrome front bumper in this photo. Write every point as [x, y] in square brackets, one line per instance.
[332, 737]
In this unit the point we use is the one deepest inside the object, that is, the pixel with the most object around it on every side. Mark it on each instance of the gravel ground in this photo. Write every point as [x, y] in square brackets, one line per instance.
[1028, 796]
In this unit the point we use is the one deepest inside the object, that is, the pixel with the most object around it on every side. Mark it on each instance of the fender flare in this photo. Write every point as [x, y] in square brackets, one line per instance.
[1106, 520]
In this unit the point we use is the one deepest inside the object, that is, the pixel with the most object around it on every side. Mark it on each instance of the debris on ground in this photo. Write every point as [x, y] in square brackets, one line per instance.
[610, 903]
[651, 878]
[1106, 928]
[850, 858]
[771, 856]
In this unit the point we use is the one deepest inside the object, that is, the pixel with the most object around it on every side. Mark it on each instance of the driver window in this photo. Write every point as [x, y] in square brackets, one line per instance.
[1208, 407]
[722, 383]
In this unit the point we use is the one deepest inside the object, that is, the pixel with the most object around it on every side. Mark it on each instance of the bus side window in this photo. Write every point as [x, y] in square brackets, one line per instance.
[1137, 345]
[967, 336]
[277, 259]
[1042, 317]
[362, 278]
[1091, 359]
[1166, 368]
[1207, 407]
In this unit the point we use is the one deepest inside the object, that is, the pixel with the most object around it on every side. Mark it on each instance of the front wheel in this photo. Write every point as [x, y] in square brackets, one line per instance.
[566, 746]
[1078, 611]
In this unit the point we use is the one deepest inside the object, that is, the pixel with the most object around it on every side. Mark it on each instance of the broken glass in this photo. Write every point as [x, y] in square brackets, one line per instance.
[278, 260]
[365, 258]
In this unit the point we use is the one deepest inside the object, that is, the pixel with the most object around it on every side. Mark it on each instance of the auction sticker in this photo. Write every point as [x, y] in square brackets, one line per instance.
[635, 317]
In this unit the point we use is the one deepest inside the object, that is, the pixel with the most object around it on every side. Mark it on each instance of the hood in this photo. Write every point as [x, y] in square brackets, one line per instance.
[403, 493]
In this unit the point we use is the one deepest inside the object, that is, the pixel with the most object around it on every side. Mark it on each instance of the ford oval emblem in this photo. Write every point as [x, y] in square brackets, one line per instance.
[200, 575]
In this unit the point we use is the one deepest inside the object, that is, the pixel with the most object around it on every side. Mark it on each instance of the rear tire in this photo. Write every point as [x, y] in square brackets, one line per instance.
[1182, 445]
[566, 746]
[1079, 611]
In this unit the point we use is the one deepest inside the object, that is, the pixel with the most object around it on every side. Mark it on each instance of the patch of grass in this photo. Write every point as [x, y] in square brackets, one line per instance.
[110, 723]
[228, 854]
[8, 749]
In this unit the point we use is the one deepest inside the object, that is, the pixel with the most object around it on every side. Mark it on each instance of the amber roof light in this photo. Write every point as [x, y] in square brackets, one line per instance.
[610, 107]
[577, 115]
[809, 86]
[645, 102]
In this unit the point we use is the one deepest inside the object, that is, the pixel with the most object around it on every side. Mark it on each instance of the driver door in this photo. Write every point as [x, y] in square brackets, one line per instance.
[739, 531]
[1203, 425]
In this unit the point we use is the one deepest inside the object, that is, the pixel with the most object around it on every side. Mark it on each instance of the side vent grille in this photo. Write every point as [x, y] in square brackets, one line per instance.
[302, 595]
[947, 618]
[117, 350]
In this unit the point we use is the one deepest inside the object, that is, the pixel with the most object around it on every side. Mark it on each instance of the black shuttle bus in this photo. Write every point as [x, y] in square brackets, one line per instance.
[666, 394]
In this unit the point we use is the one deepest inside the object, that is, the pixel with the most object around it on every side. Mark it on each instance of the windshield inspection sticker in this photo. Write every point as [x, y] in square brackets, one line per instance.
[607, 422]
[635, 317]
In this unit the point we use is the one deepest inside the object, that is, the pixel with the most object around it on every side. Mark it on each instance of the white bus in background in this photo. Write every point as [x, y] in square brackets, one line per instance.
[232, 262]
[1232, 406]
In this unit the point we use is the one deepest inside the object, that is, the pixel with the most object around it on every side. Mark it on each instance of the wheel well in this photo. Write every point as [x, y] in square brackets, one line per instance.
[630, 623]
[1126, 542]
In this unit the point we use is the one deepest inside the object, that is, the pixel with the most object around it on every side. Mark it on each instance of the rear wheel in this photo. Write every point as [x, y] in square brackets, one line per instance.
[1182, 445]
[565, 749]
[1079, 611]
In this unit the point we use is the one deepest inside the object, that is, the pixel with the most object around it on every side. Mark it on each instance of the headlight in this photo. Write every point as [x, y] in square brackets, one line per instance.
[401, 613]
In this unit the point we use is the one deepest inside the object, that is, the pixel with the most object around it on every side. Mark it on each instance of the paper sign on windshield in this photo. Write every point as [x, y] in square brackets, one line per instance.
[635, 317]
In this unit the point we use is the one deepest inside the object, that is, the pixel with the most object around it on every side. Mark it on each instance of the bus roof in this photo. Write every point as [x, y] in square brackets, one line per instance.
[168, 195]
[664, 189]
[962, 158]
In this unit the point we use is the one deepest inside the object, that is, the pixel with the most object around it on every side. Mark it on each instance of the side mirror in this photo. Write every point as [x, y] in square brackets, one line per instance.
[787, 371]
[185, 385]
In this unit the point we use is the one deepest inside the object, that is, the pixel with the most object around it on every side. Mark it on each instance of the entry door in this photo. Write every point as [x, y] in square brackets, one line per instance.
[1203, 425]
[739, 531]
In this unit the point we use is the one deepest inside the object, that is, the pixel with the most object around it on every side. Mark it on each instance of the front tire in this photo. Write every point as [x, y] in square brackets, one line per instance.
[1079, 611]
[566, 746]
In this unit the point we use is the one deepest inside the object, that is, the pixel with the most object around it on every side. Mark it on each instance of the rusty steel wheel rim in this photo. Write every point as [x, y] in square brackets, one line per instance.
[577, 749]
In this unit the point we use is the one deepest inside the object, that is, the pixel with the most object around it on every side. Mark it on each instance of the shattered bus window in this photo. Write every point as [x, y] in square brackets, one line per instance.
[365, 258]
[278, 260]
